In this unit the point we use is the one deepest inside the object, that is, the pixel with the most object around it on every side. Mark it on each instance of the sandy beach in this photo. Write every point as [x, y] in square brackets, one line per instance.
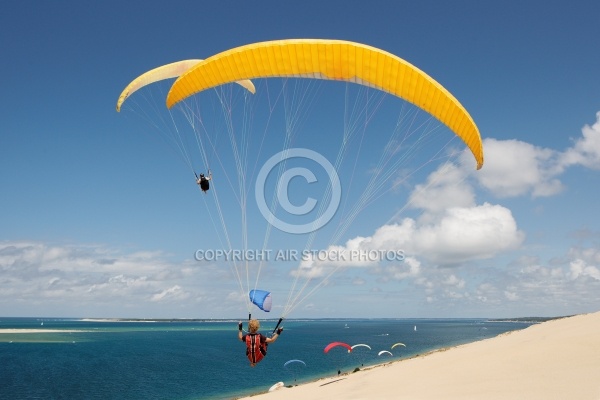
[558, 359]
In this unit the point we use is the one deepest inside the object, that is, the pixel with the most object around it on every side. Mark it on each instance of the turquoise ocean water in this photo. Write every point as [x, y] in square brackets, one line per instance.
[204, 359]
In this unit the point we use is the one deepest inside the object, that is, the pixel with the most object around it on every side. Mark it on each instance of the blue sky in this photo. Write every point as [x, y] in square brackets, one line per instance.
[99, 219]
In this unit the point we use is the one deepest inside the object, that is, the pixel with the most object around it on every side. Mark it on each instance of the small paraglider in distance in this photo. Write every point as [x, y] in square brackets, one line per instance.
[276, 386]
[293, 366]
[203, 181]
[398, 344]
[384, 352]
[294, 361]
[361, 345]
[336, 344]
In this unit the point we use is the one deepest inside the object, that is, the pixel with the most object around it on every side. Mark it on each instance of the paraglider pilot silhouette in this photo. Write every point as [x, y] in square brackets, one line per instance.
[202, 181]
[256, 343]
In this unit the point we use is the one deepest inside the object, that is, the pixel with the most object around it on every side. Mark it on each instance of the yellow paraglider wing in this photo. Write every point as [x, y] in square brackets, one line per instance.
[334, 60]
[168, 71]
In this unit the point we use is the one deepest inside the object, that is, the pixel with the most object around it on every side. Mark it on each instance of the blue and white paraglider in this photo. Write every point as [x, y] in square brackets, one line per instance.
[262, 299]
[294, 366]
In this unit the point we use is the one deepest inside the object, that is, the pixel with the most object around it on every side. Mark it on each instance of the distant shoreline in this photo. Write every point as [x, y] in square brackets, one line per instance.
[527, 320]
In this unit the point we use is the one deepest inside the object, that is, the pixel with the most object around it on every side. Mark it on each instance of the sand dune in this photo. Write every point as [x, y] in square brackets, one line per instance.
[558, 359]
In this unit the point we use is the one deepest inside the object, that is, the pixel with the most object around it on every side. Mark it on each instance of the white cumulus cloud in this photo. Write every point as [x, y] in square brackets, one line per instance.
[586, 150]
[516, 168]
